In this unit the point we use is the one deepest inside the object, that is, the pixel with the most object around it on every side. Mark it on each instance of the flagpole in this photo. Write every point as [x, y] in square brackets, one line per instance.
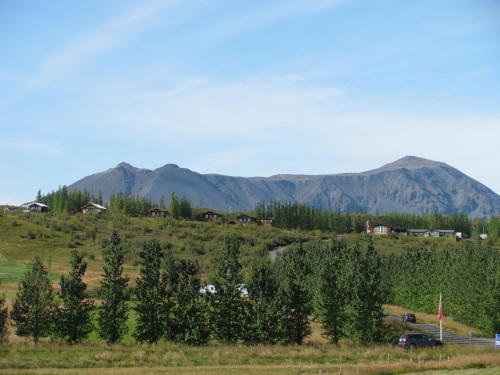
[440, 316]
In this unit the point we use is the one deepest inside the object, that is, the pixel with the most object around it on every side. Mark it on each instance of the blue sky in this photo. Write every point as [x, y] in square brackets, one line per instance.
[245, 87]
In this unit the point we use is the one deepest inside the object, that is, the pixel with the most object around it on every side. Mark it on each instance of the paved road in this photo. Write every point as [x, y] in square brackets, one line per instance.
[448, 337]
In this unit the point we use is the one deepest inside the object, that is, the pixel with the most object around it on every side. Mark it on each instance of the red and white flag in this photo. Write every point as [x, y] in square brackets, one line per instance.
[440, 308]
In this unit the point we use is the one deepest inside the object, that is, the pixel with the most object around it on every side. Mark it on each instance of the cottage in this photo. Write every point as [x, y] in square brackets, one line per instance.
[267, 221]
[377, 228]
[36, 207]
[419, 232]
[210, 216]
[246, 220]
[443, 233]
[93, 208]
[157, 212]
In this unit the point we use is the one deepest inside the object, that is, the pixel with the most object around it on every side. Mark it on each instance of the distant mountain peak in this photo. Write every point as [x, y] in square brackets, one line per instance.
[168, 166]
[411, 162]
[125, 165]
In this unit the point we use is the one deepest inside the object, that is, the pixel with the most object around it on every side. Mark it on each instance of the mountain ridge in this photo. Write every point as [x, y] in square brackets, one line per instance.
[411, 185]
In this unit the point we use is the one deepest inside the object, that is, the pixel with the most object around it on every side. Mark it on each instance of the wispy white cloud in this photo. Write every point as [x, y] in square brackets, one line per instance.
[101, 39]
[276, 12]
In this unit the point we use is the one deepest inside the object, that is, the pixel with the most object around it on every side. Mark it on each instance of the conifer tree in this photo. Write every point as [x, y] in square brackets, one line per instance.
[330, 290]
[33, 308]
[262, 289]
[114, 312]
[174, 206]
[185, 210]
[73, 318]
[228, 307]
[293, 295]
[151, 294]
[189, 311]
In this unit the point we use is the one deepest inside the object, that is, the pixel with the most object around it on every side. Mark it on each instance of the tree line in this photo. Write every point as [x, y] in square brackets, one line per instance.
[468, 277]
[296, 215]
[337, 284]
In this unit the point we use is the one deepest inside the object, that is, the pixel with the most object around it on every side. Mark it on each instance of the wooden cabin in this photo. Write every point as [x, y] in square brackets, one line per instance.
[377, 228]
[246, 220]
[36, 207]
[267, 221]
[418, 232]
[210, 216]
[443, 233]
[93, 208]
[157, 212]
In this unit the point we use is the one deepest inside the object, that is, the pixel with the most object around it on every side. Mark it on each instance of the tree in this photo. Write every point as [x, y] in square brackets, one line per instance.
[33, 308]
[293, 296]
[262, 289]
[151, 294]
[228, 307]
[3, 319]
[330, 290]
[174, 206]
[363, 309]
[185, 210]
[113, 313]
[73, 321]
[189, 312]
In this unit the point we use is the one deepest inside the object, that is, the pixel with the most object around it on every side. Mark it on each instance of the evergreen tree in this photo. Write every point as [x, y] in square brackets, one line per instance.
[265, 316]
[189, 311]
[363, 309]
[33, 308]
[113, 313]
[293, 296]
[228, 307]
[73, 321]
[174, 206]
[151, 294]
[185, 210]
[330, 290]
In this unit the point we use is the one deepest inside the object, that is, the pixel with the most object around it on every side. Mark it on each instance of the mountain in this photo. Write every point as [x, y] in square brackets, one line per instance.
[411, 185]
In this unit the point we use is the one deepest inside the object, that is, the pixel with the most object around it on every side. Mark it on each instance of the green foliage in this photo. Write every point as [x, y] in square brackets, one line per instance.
[66, 201]
[265, 313]
[293, 295]
[174, 209]
[330, 288]
[131, 206]
[295, 215]
[151, 295]
[189, 313]
[113, 313]
[228, 308]
[468, 277]
[33, 308]
[73, 321]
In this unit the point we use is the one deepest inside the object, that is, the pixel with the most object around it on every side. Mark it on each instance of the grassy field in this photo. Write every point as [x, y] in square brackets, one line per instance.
[53, 358]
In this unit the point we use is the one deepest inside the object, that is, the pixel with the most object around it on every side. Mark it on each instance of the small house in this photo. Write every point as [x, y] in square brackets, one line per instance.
[36, 207]
[157, 212]
[419, 232]
[377, 228]
[210, 216]
[93, 208]
[443, 233]
[246, 220]
[267, 221]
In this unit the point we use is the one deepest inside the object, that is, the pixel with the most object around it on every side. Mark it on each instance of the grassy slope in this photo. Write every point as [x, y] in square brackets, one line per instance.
[222, 359]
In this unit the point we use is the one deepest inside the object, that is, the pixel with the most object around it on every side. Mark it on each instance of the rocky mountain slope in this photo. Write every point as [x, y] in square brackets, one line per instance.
[410, 185]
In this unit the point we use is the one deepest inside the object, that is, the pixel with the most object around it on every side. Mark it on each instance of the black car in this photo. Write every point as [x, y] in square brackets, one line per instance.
[409, 317]
[412, 340]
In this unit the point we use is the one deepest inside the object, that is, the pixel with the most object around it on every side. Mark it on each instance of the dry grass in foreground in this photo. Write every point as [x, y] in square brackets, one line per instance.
[54, 358]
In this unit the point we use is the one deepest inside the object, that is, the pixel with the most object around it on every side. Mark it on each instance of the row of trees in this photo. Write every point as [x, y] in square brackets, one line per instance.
[294, 215]
[64, 200]
[339, 285]
[468, 278]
